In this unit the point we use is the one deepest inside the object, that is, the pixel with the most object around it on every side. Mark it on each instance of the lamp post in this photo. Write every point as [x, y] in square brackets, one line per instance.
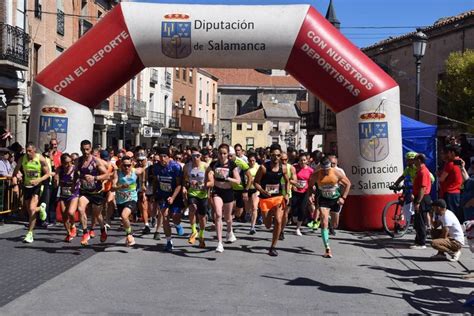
[419, 46]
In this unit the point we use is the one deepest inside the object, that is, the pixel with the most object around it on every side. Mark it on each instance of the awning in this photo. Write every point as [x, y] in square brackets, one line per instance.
[186, 136]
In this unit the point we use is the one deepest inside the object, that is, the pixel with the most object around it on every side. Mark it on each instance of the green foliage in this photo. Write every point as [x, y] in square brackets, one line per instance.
[456, 88]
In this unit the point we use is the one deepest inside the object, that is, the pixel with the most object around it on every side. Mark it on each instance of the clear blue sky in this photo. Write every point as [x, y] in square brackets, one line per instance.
[354, 14]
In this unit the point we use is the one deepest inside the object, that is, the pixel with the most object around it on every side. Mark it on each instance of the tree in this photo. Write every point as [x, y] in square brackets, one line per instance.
[456, 89]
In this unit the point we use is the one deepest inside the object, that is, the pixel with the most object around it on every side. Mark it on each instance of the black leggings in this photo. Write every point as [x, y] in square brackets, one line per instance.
[298, 205]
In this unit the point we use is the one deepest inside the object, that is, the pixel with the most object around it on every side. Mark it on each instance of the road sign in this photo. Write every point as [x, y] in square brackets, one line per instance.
[147, 131]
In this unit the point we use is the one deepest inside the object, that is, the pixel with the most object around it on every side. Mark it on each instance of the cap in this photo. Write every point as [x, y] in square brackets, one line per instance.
[129, 154]
[231, 151]
[440, 203]
[326, 164]
[410, 155]
[163, 151]
[204, 152]
[104, 154]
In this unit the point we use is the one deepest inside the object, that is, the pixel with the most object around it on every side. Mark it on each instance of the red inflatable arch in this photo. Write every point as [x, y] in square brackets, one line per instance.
[291, 37]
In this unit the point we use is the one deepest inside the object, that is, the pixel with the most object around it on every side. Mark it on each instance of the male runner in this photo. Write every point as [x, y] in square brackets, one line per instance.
[35, 170]
[90, 172]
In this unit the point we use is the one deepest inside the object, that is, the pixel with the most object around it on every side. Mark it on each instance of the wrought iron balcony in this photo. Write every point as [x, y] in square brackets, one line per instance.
[156, 119]
[208, 128]
[14, 46]
[132, 107]
[173, 123]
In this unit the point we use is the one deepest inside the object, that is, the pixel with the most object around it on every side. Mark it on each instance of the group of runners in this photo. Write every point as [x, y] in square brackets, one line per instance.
[217, 185]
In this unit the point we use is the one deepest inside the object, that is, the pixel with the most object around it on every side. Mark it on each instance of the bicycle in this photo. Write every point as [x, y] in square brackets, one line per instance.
[393, 219]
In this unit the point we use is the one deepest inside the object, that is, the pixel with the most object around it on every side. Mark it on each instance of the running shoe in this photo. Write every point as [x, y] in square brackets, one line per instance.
[310, 224]
[417, 247]
[455, 256]
[298, 232]
[438, 256]
[252, 231]
[103, 235]
[202, 243]
[68, 238]
[42, 211]
[157, 236]
[129, 241]
[73, 231]
[272, 252]
[316, 224]
[91, 234]
[146, 230]
[85, 239]
[153, 222]
[328, 253]
[259, 220]
[107, 226]
[231, 237]
[192, 238]
[29, 237]
[282, 236]
[179, 230]
[220, 248]
[332, 231]
[169, 246]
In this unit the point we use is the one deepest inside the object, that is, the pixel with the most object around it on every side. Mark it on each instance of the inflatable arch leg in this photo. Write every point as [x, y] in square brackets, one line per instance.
[137, 35]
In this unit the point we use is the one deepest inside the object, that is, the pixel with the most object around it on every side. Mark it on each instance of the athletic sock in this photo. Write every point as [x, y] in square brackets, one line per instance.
[128, 231]
[201, 233]
[325, 237]
[168, 238]
[193, 228]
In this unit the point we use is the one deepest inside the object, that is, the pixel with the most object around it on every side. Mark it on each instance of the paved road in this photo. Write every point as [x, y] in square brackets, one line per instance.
[369, 274]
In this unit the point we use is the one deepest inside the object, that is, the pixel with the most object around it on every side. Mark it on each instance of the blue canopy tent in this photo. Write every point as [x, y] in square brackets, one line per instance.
[421, 138]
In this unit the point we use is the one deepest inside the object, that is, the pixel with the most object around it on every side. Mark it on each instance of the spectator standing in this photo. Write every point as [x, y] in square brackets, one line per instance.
[6, 169]
[422, 200]
[451, 180]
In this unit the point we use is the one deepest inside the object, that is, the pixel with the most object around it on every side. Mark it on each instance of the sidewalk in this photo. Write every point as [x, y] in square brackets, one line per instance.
[369, 274]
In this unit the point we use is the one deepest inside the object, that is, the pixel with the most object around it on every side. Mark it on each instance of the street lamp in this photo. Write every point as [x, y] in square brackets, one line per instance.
[419, 46]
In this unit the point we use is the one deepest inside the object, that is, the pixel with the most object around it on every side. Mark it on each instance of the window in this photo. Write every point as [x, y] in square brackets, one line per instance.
[239, 126]
[207, 98]
[99, 14]
[200, 90]
[275, 126]
[184, 74]
[260, 127]
[292, 126]
[249, 126]
[249, 142]
[60, 22]
[177, 73]
[36, 48]
[239, 106]
[38, 9]
[59, 50]
[190, 75]
[275, 140]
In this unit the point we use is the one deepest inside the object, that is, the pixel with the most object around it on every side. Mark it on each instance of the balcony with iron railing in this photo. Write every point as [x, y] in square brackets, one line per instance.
[208, 128]
[13, 46]
[131, 106]
[156, 119]
[173, 123]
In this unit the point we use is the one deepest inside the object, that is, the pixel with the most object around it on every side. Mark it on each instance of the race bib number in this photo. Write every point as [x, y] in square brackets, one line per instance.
[329, 193]
[197, 185]
[301, 184]
[86, 185]
[165, 187]
[124, 195]
[222, 173]
[32, 174]
[66, 191]
[272, 188]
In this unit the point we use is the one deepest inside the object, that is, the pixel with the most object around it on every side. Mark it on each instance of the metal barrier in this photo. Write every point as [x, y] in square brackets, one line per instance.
[9, 201]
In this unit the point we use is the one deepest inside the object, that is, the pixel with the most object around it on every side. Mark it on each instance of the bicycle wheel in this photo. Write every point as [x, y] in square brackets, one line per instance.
[394, 222]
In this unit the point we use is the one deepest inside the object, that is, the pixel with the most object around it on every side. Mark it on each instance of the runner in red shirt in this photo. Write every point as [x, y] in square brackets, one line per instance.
[451, 180]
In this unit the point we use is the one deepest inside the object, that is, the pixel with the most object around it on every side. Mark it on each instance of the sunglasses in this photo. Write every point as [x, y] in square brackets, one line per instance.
[276, 155]
[196, 155]
[127, 165]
